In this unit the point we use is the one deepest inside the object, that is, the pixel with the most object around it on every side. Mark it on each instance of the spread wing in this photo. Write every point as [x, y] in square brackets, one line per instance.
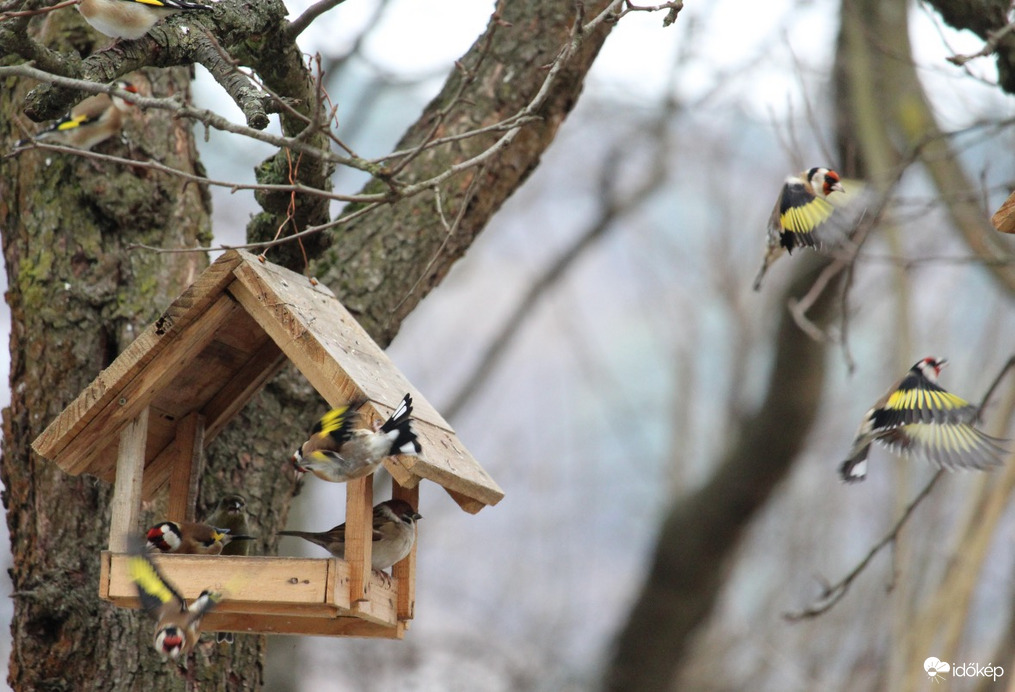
[918, 400]
[156, 594]
[800, 212]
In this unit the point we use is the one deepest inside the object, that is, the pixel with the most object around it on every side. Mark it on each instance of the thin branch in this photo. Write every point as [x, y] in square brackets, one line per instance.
[993, 39]
[41, 10]
[299, 25]
[834, 593]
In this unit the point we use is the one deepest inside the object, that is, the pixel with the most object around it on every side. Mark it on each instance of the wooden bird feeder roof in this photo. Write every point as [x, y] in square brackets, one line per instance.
[216, 345]
[143, 422]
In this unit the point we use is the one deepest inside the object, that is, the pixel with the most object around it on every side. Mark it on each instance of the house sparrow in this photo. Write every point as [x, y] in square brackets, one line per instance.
[916, 417]
[89, 123]
[802, 207]
[337, 452]
[190, 538]
[231, 514]
[178, 627]
[394, 533]
[131, 18]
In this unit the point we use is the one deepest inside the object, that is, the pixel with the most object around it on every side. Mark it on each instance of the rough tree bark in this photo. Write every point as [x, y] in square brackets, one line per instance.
[77, 298]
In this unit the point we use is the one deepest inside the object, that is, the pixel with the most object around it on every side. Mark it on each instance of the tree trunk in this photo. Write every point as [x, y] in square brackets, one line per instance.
[78, 297]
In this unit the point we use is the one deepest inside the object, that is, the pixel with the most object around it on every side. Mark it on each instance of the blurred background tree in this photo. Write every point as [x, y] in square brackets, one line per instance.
[667, 438]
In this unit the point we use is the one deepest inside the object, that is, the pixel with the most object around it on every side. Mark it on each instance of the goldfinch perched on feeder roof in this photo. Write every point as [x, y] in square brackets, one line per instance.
[190, 538]
[89, 123]
[131, 18]
[916, 417]
[802, 207]
[394, 532]
[337, 452]
[178, 627]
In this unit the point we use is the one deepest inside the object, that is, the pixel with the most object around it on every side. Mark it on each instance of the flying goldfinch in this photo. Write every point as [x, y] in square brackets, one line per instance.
[802, 207]
[177, 627]
[131, 19]
[338, 452]
[89, 123]
[916, 417]
[190, 538]
[394, 533]
[231, 514]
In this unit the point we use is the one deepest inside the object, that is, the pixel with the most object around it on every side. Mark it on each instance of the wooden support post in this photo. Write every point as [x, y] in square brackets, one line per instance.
[404, 572]
[185, 469]
[359, 499]
[126, 501]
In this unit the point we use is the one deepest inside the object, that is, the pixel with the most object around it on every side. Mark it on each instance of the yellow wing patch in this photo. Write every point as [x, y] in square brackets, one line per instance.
[154, 3]
[924, 399]
[148, 579]
[72, 123]
[807, 217]
[334, 419]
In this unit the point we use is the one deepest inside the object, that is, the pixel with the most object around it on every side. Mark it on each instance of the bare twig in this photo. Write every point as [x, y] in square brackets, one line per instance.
[41, 10]
[299, 25]
[993, 39]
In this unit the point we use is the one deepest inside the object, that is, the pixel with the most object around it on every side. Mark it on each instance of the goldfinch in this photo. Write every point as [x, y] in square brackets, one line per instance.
[916, 417]
[394, 533]
[178, 627]
[231, 514]
[131, 19]
[337, 452]
[89, 123]
[802, 207]
[190, 538]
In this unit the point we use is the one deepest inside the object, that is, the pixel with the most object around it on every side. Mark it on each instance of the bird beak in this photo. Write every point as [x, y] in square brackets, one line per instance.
[941, 363]
[838, 187]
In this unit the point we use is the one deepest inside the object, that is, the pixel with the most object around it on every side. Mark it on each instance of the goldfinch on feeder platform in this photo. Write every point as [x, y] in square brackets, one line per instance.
[178, 627]
[231, 514]
[89, 123]
[394, 525]
[916, 417]
[131, 19]
[337, 452]
[802, 206]
[190, 538]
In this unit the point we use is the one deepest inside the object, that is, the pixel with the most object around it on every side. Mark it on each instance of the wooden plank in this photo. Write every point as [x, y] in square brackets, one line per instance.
[105, 389]
[246, 382]
[467, 503]
[289, 624]
[1004, 217]
[126, 502]
[404, 572]
[186, 467]
[138, 388]
[307, 587]
[359, 496]
[341, 361]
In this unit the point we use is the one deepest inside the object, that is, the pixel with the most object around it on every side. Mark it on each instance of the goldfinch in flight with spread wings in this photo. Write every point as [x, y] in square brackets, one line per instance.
[89, 123]
[802, 207]
[916, 417]
[338, 452]
[178, 627]
[394, 525]
[131, 19]
[190, 538]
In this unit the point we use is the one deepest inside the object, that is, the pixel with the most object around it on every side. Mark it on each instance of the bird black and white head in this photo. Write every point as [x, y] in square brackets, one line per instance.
[399, 510]
[930, 367]
[824, 180]
[232, 504]
[169, 641]
[164, 536]
[119, 101]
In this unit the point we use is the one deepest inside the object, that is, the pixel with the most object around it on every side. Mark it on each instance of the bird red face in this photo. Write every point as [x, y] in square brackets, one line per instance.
[931, 367]
[169, 641]
[831, 183]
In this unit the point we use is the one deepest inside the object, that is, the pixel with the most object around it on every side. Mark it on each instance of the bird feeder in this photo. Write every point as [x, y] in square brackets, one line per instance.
[145, 420]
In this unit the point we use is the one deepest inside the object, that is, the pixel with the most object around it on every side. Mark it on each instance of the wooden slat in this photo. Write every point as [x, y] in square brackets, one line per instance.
[185, 468]
[404, 572]
[359, 496]
[247, 381]
[341, 361]
[139, 386]
[288, 624]
[105, 389]
[126, 502]
[307, 587]
[1004, 217]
